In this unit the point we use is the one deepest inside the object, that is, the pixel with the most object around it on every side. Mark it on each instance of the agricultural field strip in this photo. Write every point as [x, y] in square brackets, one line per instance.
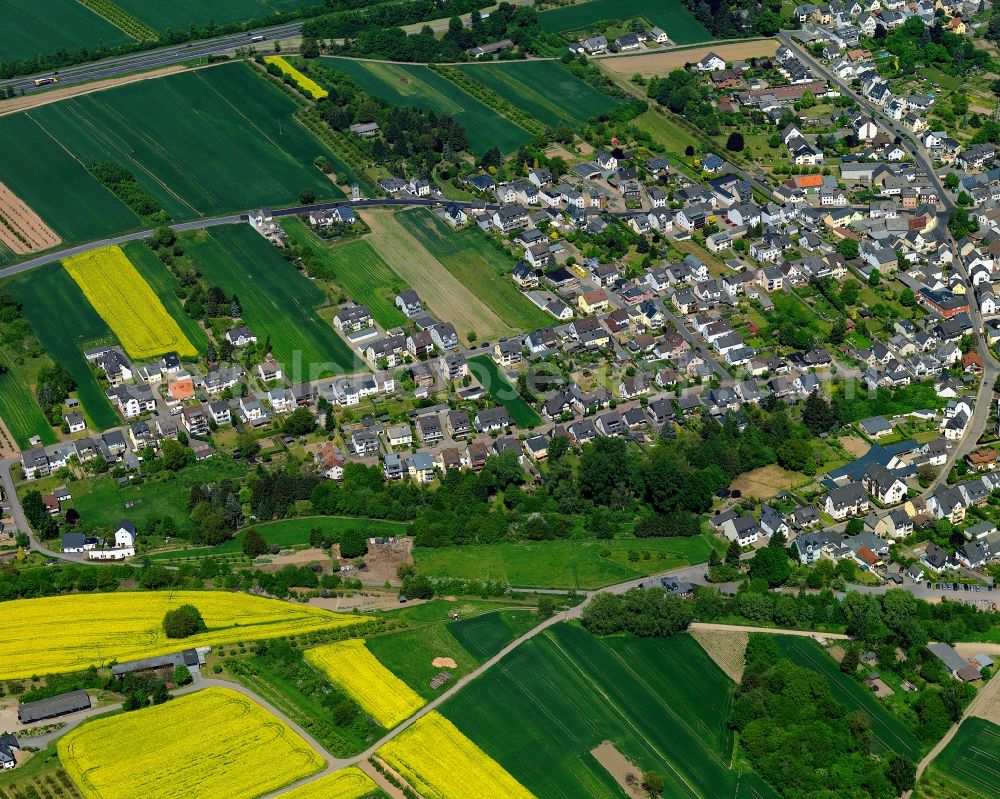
[982, 771]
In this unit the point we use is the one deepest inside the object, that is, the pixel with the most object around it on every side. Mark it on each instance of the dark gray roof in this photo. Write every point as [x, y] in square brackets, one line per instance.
[53, 706]
[189, 657]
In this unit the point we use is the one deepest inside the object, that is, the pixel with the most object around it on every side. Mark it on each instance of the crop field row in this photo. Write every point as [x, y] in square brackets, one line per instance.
[19, 410]
[476, 264]
[74, 631]
[357, 269]
[442, 763]
[65, 325]
[211, 743]
[485, 370]
[179, 14]
[348, 783]
[968, 767]
[276, 300]
[888, 730]
[121, 296]
[381, 694]
[31, 27]
[662, 701]
[671, 15]
[304, 82]
[545, 89]
[201, 142]
[419, 86]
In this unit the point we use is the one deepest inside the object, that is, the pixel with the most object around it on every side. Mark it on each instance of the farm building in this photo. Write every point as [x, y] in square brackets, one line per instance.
[192, 658]
[958, 667]
[53, 706]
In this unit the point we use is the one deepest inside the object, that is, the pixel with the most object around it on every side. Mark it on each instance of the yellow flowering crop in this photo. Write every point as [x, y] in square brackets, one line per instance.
[125, 301]
[212, 743]
[441, 763]
[381, 694]
[348, 783]
[74, 631]
[307, 84]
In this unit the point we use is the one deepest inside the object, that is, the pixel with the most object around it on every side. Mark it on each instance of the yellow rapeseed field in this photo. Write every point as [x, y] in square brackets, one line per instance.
[348, 783]
[125, 301]
[441, 763]
[212, 743]
[381, 694]
[74, 631]
[307, 84]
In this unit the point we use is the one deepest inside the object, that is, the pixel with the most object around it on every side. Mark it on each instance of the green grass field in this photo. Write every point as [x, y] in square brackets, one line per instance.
[19, 410]
[484, 636]
[415, 85]
[562, 564]
[357, 269]
[33, 27]
[546, 89]
[662, 702]
[476, 263]
[66, 324]
[101, 502]
[664, 131]
[179, 14]
[671, 15]
[888, 730]
[968, 767]
[410, 655]
[485, 370]
[287, 533]
[203, 142]
[163, 282]
[276, 299]
[58, 187]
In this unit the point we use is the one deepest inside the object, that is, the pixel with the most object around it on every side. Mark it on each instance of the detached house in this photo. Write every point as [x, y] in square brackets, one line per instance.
[883, 485]
[846, 501]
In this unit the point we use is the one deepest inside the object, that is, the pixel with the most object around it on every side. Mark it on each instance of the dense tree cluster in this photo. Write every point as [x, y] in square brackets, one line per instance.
[216, 512]
[728, 19]
[682, 92]
[915, 43]
[802, 740]
[351, 24]
[183, 622]
[123, 184]
[648, 612]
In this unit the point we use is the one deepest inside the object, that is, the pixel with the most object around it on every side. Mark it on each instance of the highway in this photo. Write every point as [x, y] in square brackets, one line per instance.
[152, 59]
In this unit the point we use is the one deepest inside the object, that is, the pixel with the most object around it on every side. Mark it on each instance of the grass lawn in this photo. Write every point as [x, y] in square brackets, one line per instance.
[166, 286]
[66, 324]
[31, 27]
[277, 300]
[477, 264]
[968, 767]
[417, 86]
[409, 655]
[286, 533]
[202, 142]
[546, 89]
[484, 636]
[357, 269]
[18, 408]
[664, 131]
[564, 564]
[888, 730]
[485, 370]
[565, 691]
[671, 15]
[101, 502]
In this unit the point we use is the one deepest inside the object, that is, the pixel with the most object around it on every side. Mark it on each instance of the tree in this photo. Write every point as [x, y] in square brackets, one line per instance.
[175, 455]
[848, 248]
[182, 675]
[851, 660]
[492, 158]
[735, 143]
[307, 197]
[183, 622]
[961, 224]
[353, 543]
[253, 544]
[951, 181]
[854, 526]
[818, 415]
[300, 422]
[733, 553]
[771, 565]
[546, 608]
[902, 773]
[652, 783]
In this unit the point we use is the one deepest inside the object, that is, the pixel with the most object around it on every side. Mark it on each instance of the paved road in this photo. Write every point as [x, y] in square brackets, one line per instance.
[152, 59]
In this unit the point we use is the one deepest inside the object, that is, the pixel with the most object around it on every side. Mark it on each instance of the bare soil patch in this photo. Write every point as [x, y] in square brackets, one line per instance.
[766, 482]
[36, 99]
[626, 773]
[8, 449]
[362, 602]
[383, 560]
[652, 64]
[855, 445]
[726, 649]
[448, 299]
[444, 663]
[21, 229]
[302, 557]
[836, 652]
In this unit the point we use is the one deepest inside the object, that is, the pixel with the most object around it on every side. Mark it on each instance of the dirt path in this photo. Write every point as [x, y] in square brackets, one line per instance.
[621, 768]
[743, 628]
[36, 99]
[447, 298]
[382, 782]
